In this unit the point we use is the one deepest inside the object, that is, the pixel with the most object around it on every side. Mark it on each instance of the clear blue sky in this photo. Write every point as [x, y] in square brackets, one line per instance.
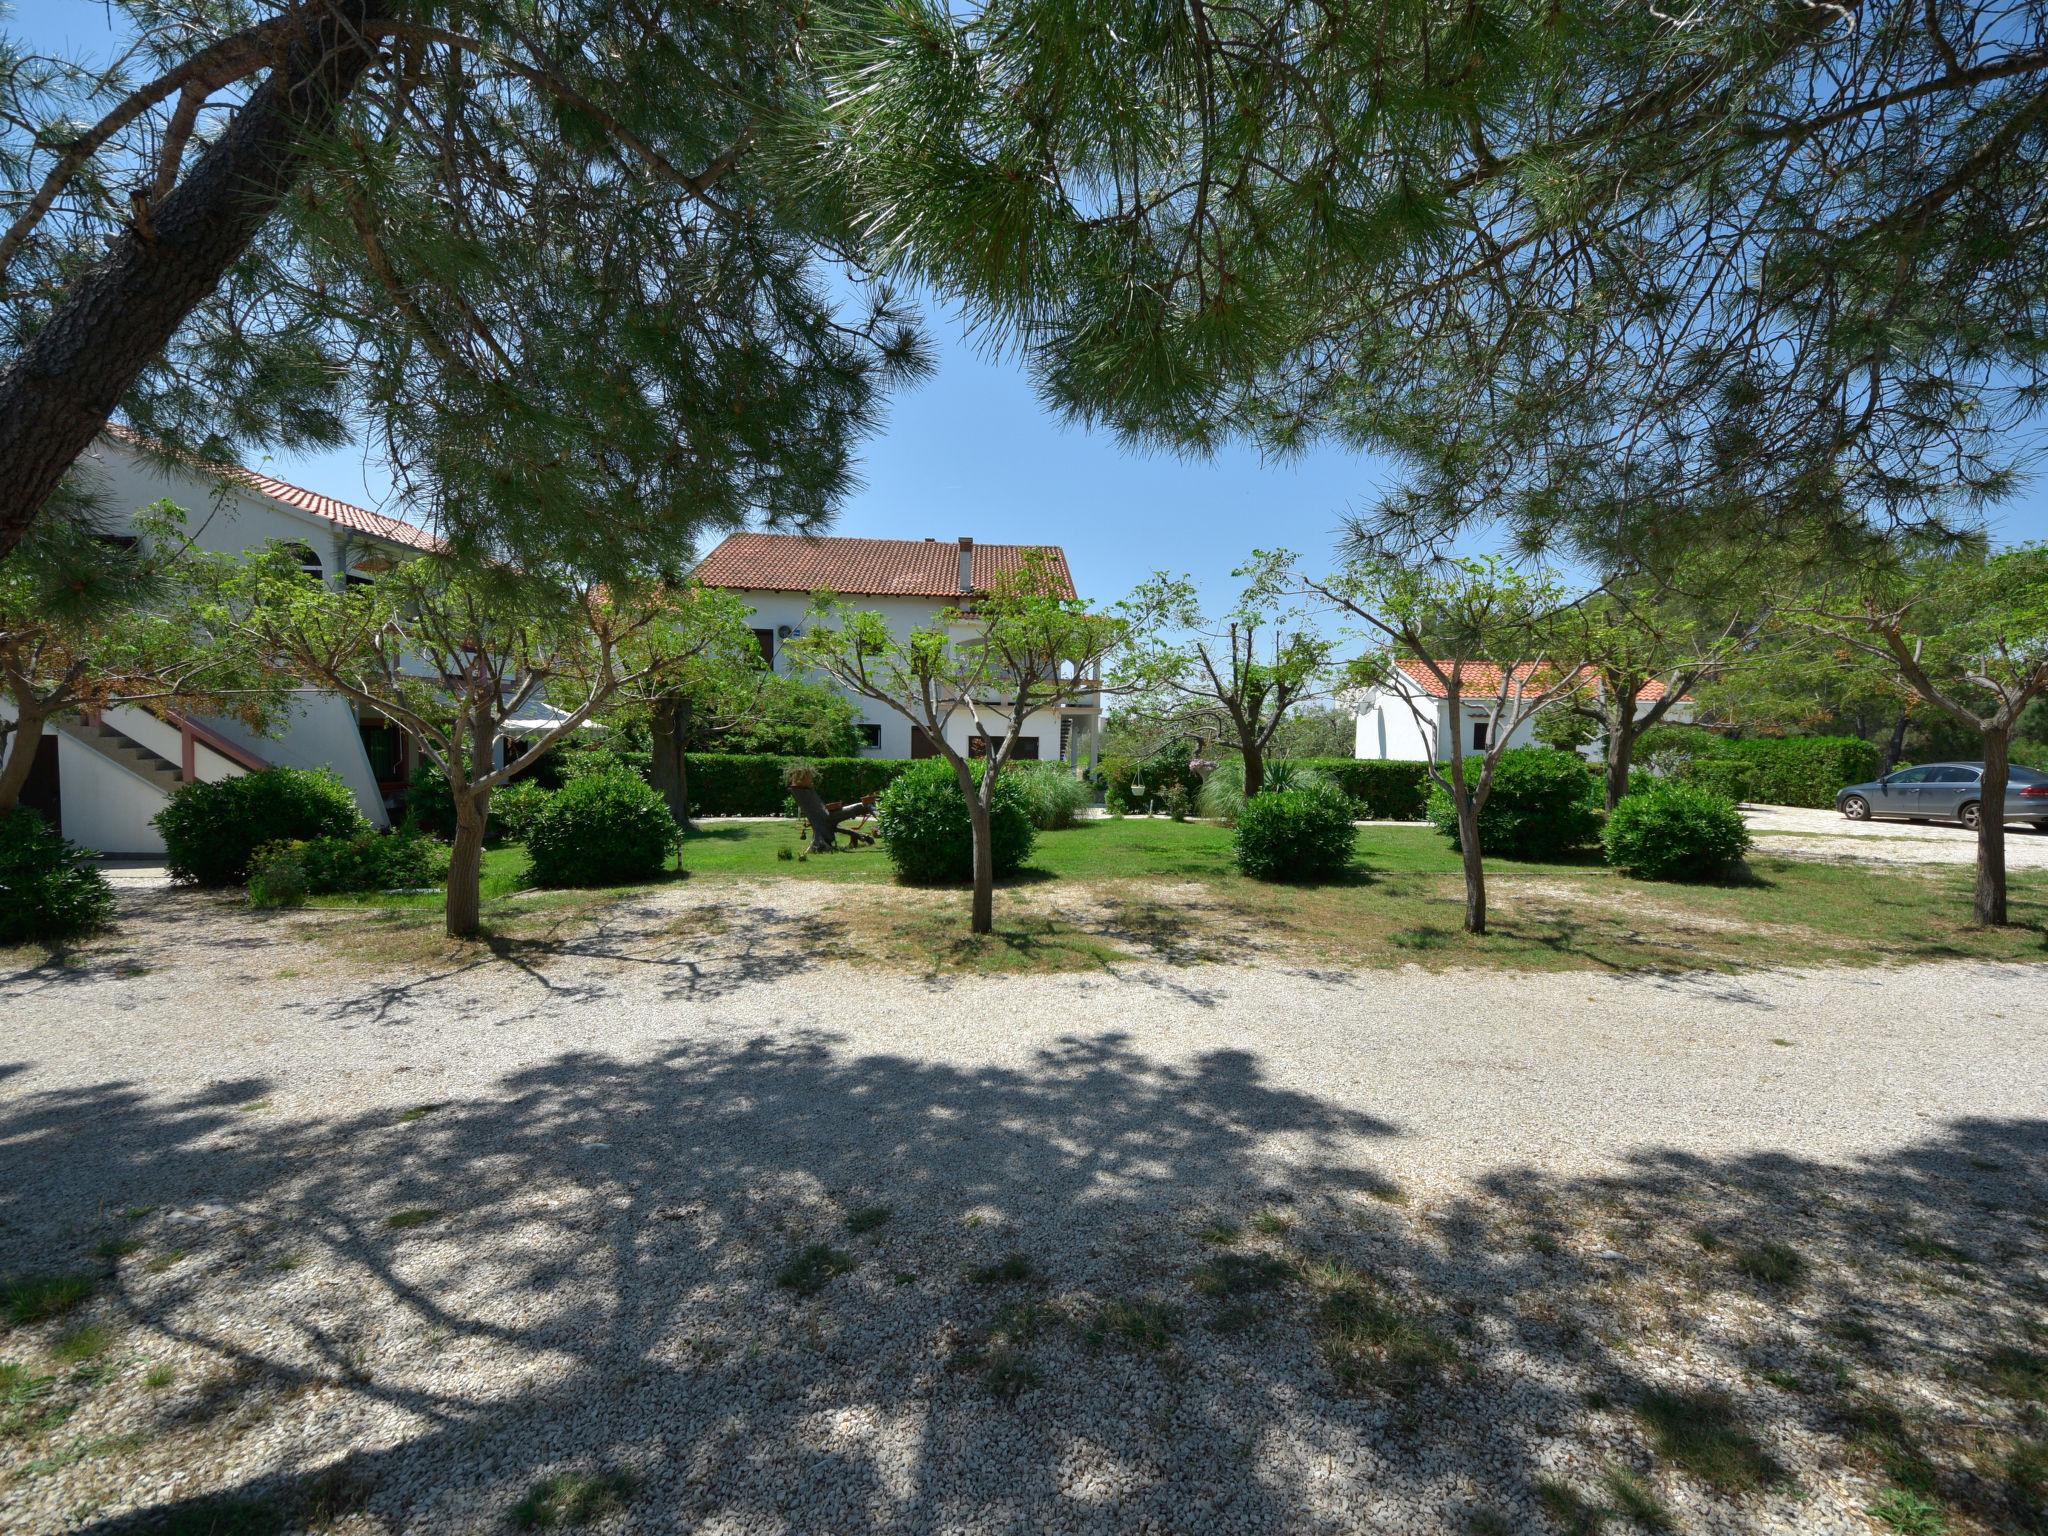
[971, 451]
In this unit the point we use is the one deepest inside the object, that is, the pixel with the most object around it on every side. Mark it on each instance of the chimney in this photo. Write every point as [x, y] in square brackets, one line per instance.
[966, 564]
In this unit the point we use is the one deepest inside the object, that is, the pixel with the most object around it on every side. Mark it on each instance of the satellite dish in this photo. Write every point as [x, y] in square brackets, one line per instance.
[784, 631]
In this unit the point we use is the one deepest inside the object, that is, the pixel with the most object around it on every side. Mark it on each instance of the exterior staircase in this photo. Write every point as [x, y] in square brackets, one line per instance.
[151, 767]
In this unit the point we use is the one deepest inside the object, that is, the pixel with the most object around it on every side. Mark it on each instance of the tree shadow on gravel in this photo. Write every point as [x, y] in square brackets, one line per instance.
[784, 1287]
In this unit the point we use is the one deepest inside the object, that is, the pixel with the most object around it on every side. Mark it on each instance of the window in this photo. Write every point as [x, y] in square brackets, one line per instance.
[1953, 775]
[765, 638]
[870, 735]
[308, 563]
[1479, 731]
[1026, 750]
[1911, 776]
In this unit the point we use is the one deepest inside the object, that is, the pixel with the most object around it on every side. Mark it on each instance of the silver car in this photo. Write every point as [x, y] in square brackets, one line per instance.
[1946, 792]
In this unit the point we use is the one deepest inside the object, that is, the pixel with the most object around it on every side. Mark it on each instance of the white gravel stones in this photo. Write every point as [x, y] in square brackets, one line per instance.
[623, 1146]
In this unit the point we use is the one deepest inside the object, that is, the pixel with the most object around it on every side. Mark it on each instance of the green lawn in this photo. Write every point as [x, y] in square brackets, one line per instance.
[1157, 890]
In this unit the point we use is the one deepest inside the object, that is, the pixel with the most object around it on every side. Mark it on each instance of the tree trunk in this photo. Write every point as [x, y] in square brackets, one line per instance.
[670, 769]
[1621, 757]
[118, 316]
[1895, 745]
[1475, 867]
[1254, 768]
[466, 864]
[983, 918]
[23, 742]
[1991, 828]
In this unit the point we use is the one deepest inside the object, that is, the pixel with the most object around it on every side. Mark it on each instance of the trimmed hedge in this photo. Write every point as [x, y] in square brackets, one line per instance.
[1676, 832]
[750, 784]
[1805, 770]
[1378, 790]
[1542, 804]
[211, 831]
[1729, 777]
[1784, 770]
[928, 836]
[50, 889]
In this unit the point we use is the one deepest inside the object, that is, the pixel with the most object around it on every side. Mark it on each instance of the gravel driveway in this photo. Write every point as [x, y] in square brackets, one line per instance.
[749, 1242]
[1798, 832]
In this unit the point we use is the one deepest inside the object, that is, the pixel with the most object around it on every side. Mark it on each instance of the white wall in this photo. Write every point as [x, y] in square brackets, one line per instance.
[1389, 731]
[772, 610]
[320, 729]
[105, 807]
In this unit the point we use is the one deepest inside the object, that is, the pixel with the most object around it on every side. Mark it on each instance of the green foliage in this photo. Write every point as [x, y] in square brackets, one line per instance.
[1542, 805]
[1675, 832]
[50, 890]
[608, 829]
[211, 831]
[741, 784]
[1379, 790]
[1222, 795]
[516, 807]
[1729, 777]
[926, 831]
[1296, 834]
[1564, 730]
[785, 717]
[1804, 770]
[1158, 773]
[429, 803]
[1053, 797]
[284, 874]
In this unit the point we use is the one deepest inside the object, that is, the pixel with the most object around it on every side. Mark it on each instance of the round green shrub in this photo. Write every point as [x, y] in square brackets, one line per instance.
[1543, 804]
[50, 890]
[1296, 834]
[211, 831]
[516, 807]
[606, 829]
[927, 834]
[1676, 831]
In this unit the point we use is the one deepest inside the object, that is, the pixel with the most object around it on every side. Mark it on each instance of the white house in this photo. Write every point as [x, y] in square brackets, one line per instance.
[907, 581]
[1388, 726]
[102, 780]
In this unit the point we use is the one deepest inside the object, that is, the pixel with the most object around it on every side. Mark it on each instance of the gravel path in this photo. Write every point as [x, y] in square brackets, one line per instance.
[1287, 1250]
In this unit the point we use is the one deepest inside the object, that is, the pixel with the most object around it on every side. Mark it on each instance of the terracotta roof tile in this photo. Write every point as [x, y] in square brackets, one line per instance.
[789, 562]
[1482, 679]
[328, 508]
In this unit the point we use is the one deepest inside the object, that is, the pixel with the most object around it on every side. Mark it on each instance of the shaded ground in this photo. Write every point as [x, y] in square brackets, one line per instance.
[659, 1214]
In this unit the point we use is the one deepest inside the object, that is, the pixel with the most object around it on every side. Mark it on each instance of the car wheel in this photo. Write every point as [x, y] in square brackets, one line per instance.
[1856, 808]
[1969, 816]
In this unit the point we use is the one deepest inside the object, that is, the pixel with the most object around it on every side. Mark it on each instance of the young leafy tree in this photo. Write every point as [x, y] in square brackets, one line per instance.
[1642, 646]
[537, 253]
[451, 654]
[1232, 676]
[1020, 647]
[1439, 620]
[1969, 635]
[87, 624]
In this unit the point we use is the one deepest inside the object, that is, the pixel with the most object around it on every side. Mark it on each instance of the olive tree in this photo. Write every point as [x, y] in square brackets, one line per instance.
[1022, 646]
[1234, 674]
[1969, 636]
[1479, 629]
[452, 655]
